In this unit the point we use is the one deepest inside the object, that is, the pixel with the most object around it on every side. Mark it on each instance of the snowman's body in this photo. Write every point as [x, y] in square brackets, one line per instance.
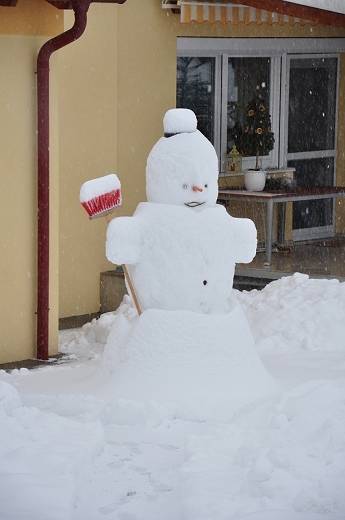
[179, 259]
[180, 249]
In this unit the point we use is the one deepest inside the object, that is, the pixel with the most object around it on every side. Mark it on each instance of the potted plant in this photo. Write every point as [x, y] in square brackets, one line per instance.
[257, 139]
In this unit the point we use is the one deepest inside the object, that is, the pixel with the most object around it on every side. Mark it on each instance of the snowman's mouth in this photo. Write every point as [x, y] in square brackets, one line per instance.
[194, 204]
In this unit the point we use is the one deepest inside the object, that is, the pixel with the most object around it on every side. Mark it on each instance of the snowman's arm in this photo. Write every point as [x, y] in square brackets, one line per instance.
[245, 240]
[123, 244]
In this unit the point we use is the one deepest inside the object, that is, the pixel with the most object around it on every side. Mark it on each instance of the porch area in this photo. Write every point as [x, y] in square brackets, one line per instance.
[322, 258]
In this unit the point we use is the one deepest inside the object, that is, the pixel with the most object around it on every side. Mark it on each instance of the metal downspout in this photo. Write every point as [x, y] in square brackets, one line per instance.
[80, 8]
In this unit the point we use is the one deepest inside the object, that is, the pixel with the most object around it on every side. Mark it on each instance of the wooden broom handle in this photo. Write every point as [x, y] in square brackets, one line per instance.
[131, 288]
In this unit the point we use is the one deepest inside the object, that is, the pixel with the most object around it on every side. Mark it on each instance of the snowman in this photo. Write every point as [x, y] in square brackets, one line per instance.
[180, 247]
[192, 340]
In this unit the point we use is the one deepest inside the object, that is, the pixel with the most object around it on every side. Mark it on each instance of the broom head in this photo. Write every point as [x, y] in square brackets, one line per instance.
[100, 197]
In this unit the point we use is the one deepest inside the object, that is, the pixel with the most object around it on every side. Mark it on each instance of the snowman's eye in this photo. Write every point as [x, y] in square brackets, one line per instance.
[184, 186]
[206, 185]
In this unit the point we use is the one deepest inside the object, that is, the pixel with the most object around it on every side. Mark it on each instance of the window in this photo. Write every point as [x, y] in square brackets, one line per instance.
[217, 78]
[244, 75]
[195, 90]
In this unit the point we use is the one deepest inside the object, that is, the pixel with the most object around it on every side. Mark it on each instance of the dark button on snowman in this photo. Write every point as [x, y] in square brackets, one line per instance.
[180, 247]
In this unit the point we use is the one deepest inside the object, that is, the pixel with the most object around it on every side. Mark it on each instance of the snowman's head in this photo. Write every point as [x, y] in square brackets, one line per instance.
[182, 167]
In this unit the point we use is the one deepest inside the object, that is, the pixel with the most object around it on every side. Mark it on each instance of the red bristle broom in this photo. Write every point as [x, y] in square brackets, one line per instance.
[101, 197]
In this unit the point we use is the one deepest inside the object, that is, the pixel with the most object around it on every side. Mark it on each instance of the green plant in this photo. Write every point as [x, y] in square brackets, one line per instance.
[257, 138]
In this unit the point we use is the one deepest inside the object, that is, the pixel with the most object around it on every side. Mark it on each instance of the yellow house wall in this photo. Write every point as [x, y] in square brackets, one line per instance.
[88, 149]
[31, 18]
[21, 36]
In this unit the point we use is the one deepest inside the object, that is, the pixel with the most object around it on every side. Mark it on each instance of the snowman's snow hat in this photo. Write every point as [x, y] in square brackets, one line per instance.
[187, 159]
[179, 121]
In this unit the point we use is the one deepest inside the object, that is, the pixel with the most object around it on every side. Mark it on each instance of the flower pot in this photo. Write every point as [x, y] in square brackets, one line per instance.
[254, 180]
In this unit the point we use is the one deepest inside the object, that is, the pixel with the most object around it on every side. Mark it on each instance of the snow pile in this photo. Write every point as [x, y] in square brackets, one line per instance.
[45, 459]
[297, 312]
[71, 451]
[284, 454]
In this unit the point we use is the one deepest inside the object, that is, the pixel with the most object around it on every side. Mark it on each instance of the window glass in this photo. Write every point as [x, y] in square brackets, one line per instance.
[244, 75]
[195, 90]
[312, 104]
[313, 172]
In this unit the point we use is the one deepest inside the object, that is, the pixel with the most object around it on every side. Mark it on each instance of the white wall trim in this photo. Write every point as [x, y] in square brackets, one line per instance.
[258, 46]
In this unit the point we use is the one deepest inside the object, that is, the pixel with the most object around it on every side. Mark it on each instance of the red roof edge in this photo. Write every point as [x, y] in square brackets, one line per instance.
[68, 4]
[8, 3]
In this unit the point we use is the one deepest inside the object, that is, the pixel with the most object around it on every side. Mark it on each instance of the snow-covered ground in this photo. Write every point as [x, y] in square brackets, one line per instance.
[69, 450]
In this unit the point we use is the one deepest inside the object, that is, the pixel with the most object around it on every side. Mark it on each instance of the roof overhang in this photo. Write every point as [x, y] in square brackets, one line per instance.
[297, 10]
[60, 4]
[68, 4]
[325, 12]
[8, 3]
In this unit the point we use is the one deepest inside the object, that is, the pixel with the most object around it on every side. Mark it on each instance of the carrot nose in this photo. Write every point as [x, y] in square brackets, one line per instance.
[195, 188]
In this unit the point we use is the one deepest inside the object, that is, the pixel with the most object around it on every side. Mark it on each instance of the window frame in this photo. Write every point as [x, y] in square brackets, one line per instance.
[329, 152]
[280, 51]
